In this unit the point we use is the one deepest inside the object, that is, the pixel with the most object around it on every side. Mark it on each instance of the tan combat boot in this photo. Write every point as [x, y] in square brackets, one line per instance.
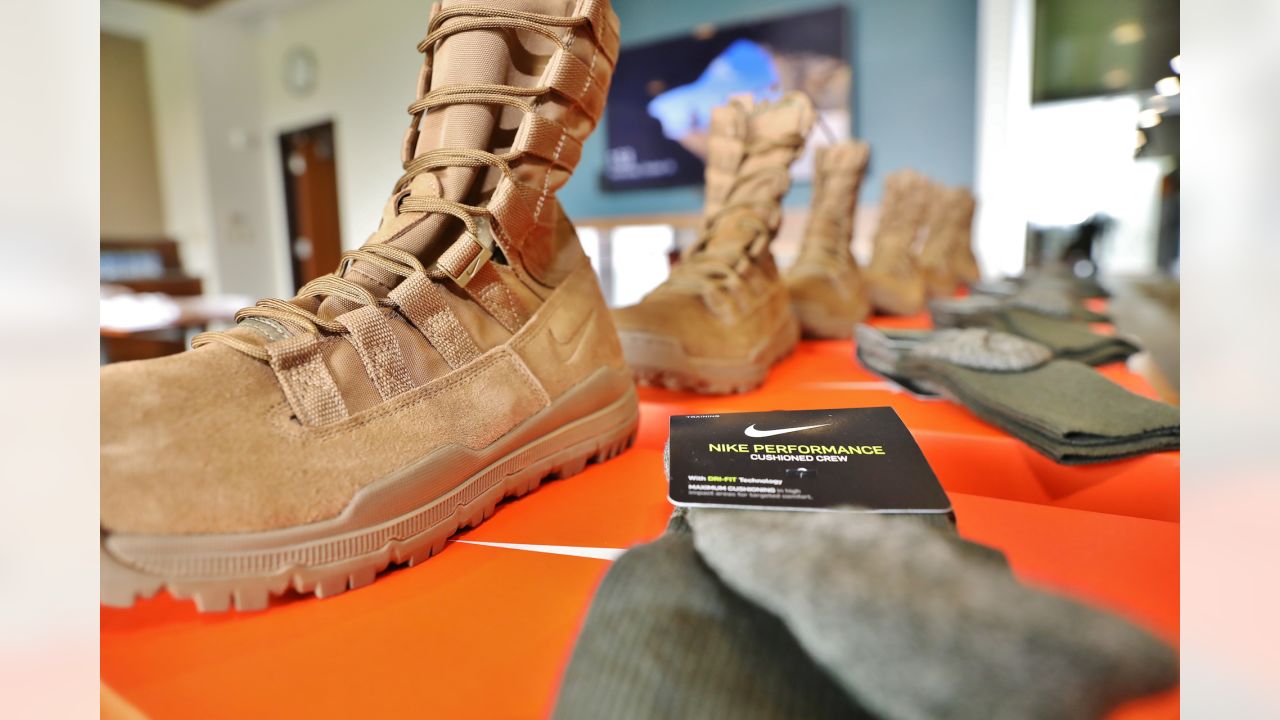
[937, 245]
[894, 281]
[723, 317]
[963, 262]
[827, 292]
[462, 355]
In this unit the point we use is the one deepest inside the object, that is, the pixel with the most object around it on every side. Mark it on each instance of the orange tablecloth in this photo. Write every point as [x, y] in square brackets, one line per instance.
[483, 631]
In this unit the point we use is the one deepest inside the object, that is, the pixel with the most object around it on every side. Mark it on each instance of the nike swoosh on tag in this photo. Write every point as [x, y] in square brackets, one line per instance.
[751, 430]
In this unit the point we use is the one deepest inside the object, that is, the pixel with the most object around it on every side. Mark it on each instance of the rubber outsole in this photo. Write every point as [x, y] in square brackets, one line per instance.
[332, 565]
[660, 361]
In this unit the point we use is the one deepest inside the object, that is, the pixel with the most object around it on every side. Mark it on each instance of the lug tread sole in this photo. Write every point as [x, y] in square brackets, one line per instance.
[254, 592]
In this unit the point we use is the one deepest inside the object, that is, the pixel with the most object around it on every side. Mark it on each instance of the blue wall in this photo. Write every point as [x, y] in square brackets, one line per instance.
[914, 84]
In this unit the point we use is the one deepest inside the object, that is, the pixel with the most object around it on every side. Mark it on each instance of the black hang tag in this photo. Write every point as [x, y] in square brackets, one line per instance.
[802, 460]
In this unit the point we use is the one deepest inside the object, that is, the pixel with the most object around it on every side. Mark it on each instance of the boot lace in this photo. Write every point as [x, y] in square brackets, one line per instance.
[700, 264]
[474, 218]
[828, 235]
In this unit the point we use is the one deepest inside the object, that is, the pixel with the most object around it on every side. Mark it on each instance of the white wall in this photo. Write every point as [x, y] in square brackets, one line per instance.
[131, 204]
[367, 69]
[236, 153]
[1077, 160]
[167, 33]
[1004, 106]
[222, 103]
[1054, 163]
[216, 142]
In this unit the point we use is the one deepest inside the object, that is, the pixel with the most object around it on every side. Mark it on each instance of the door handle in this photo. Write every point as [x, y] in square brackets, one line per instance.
[302, 249]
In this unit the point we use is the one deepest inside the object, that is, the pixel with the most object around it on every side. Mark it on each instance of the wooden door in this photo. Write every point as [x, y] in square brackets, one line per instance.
[311, 193]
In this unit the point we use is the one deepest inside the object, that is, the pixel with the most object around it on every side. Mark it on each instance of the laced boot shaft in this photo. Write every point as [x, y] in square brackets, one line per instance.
[482, 160]
[902, 212]
[722, 318]
[471, 239]
[936, 246]
[752, 146]
[838, 173]
[827, 292]
[894, 280]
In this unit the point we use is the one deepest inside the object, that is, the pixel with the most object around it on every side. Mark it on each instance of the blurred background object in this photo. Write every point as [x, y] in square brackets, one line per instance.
[139, 278]
[944, 82]
[663, 93]
[273, 125]
[1086, 49]
[258, 134]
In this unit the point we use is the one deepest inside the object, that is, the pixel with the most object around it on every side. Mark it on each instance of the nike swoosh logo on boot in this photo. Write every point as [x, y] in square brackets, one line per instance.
[751, 430]
[565, 349]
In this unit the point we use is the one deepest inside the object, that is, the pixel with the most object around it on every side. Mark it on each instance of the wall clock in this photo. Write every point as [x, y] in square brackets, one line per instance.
[300, 70]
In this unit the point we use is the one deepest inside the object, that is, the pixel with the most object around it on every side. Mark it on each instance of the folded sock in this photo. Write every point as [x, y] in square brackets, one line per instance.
[1065, 410]
[916, 623]
[1068, 337]
[1062, 408]
[768, 614]
[1060, 274]
[666, 638]
[887, 353]
[1000, 287]
[880, 351]
[1042, 299]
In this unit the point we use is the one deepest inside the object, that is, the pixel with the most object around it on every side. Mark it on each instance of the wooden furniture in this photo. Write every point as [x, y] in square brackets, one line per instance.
[145, 265]
[157, 265]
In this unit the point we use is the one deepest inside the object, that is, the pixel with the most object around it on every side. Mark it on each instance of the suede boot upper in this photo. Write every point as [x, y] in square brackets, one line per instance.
[725, 298]
[893, 276]
[469, 310]
[826, 287]
[935, 255]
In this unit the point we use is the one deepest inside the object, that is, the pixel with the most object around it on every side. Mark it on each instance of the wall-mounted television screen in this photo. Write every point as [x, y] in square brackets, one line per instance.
[663, 92]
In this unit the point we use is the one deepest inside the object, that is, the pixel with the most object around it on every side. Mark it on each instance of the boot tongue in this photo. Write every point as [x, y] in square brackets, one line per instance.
[770, 126]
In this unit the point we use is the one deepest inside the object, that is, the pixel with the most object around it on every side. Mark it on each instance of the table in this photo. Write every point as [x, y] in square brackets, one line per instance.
[157, 311]
[494, 622]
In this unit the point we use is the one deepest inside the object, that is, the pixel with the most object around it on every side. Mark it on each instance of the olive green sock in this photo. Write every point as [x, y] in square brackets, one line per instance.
[775, 614]
[1062, 408]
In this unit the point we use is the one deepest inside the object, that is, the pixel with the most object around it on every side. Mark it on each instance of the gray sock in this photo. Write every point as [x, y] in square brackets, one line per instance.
[1069, 338]
[665, 638]
[769, 614]
[916, 623]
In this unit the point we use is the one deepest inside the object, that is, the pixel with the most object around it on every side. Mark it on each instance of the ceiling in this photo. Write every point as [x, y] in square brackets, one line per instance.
[245, 10]
[191, 4]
